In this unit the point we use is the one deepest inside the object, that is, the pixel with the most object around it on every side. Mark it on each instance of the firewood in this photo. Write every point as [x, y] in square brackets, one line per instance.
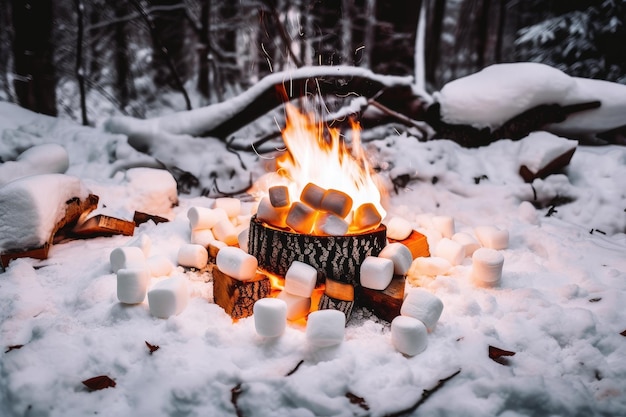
[140, 218]
[417, 244]
[330, 303]
[337, 296]
[103, 225]
[237, 297]
[552, 167]
[384, 304]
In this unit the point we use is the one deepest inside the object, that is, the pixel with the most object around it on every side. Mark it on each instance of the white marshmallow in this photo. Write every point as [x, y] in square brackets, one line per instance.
[276, 216]
[430, 266]
[202, 237]
[467, 241]
[127, 257]
[444, 225]
[242, 221]
[450, 250]
[487, 267]
[365, 216]
[297, 307]
[400, 255]
[301, 217]
[422, 305]
[132, 284]
[232, 206]
[408, 335]
[300, 279]
[376, 273]
[159, 266]
[168, 297]
[491, 237]
[205, 218]
[242, 239]
[236, 263]
[192, 256]
[225, 231]
[398, 228]
[270, 317]
[325, 328]
[143, 242]
[330, 224]
[312, 196]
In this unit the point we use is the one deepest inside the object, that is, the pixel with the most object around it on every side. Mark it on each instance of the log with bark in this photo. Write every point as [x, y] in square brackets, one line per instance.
[237, 297]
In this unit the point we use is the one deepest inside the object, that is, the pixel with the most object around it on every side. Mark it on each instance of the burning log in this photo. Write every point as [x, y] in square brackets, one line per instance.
[237, 297]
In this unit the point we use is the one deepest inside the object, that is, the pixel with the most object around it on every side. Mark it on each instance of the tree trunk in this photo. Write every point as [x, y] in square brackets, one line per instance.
[370, 31]
[347, 50]
[169, 27]
[420, 55]
[433, 40]
[79, 68]
[35, 81]
[203, 50]
[121, 57]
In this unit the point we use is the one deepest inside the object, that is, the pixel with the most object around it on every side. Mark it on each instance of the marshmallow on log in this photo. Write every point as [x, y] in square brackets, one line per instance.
[301, 217]
[270, 317]
[300, 279]
[236, 263]
[132, 284]
[232, 206]
[159, 266]
[444, 225]
[312, 196]
[366, 216]
[491, 237]
[202, 237]
[408, 335]
[487, 267]
[399, 228]
[325, 328]
[467, 241]
[192, 256]
[376, 273]
[424, 306]
[400, 255]
[330, 224]
[275, 216]
[297, 307]
[430, 266]
[168, 297]
[127, 257]
[450, 250]
[337, 202]
[143, 242]
[224, 231]
[205, 218]
[242, 239]
[279, 196]
[417, 244]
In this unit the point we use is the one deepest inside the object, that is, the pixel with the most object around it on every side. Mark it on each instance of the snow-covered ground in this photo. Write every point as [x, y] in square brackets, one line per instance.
[559, 307]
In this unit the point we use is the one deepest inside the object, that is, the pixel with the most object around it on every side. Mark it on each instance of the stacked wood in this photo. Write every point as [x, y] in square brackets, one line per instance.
[337, 296]
[384, 304]
[103, 225]
[417, 244]
[237, 297]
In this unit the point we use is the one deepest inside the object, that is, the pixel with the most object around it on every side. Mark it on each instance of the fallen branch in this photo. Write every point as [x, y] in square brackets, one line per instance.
[235, 392]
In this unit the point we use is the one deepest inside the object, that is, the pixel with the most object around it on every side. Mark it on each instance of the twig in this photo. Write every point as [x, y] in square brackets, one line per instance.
[355, 399]
[293, 371]
[235, 392]
[400, 117]
[425, 395]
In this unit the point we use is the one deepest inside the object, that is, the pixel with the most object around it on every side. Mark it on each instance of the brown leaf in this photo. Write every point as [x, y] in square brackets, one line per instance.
[99, 382]
[623, 333]
[13, 347]
[498, 355]
[355, 399]
[153, 348]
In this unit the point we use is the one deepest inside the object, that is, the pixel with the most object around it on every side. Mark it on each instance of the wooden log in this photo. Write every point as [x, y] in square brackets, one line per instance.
[337, 296]
[384, 304]
[236, 297]
[330, 303]
[335, 257]
[141, 217]
[552, 167]
[103, 225]
[417, 244]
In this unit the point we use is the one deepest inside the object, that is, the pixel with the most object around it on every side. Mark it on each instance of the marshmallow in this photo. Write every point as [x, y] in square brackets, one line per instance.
[450, 250]
[467, 241]
[143, 242]
[127, 257]
[232, 206]
[168, 297]
[236, 263]
[491, 237]
[300, 279]
[430, 266]
[205, 218]
[224, 231]
[398, 228]
[400, 255]
[422, 305]
[366, 216]
[376, 273]
[242, 239]
[243, 220]
[444, 225]
[297, 307]
[325, 328]
[275, 216]
[270, 317]
[408, 335]
[279, 196]
[159, 266]
[487, 267]
[192, 256]
[337, 202]
[202, 237]
[330, 224]
[312, 196]
[132, 284]
[301, 217]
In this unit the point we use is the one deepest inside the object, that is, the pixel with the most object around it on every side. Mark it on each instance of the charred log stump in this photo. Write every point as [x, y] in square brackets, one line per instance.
[236, 297]
[337, 296]
[384, 304]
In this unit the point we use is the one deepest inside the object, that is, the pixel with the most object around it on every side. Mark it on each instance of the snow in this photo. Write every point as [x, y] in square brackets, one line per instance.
[559, 305]
[540, 148]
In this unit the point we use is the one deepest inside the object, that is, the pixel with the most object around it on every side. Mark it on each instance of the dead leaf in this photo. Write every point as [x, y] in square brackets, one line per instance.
[153, 348]
[499, 355]
[355, 399]
[595, 300]
[13, 347]
[99, 382]
[623, 333]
